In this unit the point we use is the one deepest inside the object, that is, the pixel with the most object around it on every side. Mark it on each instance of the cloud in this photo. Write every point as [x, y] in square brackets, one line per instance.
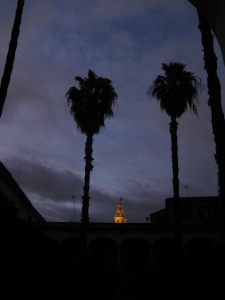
[118, 8]
[46, 181]
[54, 191]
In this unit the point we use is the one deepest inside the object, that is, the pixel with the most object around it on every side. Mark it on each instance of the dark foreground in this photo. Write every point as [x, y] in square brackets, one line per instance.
[31, 268]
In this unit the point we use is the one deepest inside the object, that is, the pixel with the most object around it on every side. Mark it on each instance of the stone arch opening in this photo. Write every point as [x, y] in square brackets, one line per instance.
[104, 254]
[135, 255]
[164, 250]
[70, 252]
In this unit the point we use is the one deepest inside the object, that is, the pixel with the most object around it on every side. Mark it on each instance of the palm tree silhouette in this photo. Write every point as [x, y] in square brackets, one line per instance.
[176, 91]
[90, 104]
[11, 54]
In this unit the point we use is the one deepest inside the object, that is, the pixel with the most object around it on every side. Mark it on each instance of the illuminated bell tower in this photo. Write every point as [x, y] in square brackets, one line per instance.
[119, 217]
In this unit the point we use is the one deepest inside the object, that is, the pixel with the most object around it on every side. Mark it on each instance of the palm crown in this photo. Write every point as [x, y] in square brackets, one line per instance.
[92, 102]
[177, 90]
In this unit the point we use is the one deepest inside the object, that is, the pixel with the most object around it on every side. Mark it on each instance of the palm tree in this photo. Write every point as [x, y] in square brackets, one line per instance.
[90, 104]
[176, 91]
[11, 54]
[214, 102]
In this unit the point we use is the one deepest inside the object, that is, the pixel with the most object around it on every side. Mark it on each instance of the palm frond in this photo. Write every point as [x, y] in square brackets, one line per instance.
[91, 102]
[177, 90]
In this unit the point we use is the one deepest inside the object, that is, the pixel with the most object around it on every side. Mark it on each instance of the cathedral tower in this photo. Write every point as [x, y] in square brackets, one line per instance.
[119, 217]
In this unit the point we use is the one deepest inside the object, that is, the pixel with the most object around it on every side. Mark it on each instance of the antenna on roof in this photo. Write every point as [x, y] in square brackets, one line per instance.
[186, 188]
[19, 175]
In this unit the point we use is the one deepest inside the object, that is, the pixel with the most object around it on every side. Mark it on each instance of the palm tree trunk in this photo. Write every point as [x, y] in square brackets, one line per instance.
[11, 54]
[217, 115]
[175, 168]
[85, 199]
[176, 194]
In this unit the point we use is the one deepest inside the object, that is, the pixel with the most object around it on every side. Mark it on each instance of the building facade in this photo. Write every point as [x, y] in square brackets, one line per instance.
[13, 201]
[193, 211]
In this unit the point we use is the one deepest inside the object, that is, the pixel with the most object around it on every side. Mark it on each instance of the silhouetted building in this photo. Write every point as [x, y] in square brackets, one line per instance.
[194, 210]
[13, 202]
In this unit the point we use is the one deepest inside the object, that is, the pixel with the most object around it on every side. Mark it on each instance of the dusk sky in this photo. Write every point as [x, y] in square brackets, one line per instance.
[126, 41]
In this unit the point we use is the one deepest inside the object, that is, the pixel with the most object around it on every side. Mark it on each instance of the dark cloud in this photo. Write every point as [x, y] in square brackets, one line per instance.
[45, 181]
[54, 193]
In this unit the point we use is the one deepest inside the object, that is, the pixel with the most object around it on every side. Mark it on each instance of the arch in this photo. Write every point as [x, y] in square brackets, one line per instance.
[213, 11]
[104, 254]
[70, 252]
[135, 255]
[164, 250]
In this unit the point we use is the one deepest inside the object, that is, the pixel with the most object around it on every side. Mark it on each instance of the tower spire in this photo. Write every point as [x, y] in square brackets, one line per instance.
[119, 216]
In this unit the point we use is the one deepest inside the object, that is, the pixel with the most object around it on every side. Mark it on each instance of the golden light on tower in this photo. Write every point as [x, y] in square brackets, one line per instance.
[119, 216]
